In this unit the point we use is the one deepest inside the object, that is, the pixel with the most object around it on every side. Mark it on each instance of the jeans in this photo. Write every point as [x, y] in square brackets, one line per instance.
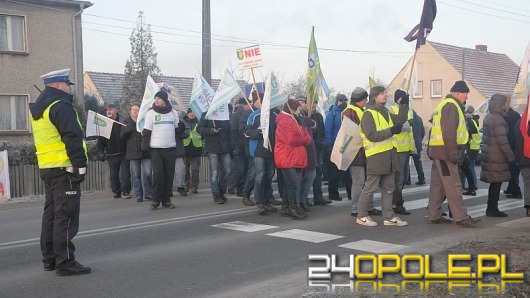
[142, 178]
[317, 183]
[120, 174]
[193, 165]
[180, 172]
[250, 177]
[307, 182]
[292, 182]
[264, 170]
[419, 167]
[238, 172]
[219, 169]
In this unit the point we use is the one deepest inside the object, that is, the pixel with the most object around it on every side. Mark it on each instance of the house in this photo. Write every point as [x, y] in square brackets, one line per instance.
[440, 65]
[30, 47]
[107, 87]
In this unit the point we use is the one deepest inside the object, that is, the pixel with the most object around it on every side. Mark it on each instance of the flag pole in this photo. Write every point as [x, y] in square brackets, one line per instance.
[411, 70]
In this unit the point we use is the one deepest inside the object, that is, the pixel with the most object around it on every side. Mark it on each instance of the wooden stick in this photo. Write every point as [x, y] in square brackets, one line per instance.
[411, 70]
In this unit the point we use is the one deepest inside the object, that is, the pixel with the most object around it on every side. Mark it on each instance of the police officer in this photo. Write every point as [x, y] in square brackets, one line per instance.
[62, 158]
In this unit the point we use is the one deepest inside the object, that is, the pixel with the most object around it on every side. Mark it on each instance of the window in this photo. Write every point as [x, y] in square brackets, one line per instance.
[436, 88]
[12, 33]
[418, 91]
[14, 113]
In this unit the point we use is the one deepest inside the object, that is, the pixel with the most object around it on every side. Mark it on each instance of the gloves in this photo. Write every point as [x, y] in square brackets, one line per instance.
[404, 100]
[310, 122]
[216, 130]
[396, 129]
[101, 156]
[260, 131]
[77, 175]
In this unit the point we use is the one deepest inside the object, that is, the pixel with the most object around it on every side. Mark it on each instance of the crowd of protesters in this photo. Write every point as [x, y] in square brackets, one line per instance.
[297, 150]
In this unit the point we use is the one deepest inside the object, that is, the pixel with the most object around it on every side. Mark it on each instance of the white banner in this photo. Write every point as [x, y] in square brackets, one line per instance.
[227, 89]
[5, 188]
[347, 144]
[173, 96]
[266, 112]
[149, 98]
[249, 57]
[98, 125]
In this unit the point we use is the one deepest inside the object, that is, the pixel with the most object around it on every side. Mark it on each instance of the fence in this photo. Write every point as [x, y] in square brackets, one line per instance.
[25, 179]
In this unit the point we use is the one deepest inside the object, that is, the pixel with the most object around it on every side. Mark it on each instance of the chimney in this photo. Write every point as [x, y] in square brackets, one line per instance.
[481, 47]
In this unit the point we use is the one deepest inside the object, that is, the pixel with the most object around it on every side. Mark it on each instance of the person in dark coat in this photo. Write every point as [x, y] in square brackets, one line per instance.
[239, 159]
[496, 152]
[217, 144]
[139, 160]
[522, 161]
[513, 190]
[418, 132]
[193, 148]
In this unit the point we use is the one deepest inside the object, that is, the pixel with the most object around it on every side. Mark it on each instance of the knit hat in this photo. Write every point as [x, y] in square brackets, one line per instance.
[189, 111]
[460, 86]
[399, 94]
[340, 97]
[301, 98]
[162, 95]
[358, 94]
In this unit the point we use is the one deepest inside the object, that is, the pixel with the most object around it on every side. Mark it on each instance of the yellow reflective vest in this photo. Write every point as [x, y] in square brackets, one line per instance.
[372, 148]
[462, 135]
[476, 138]
[404, 139]
[195, 138]
[359, 111]
[50, 149]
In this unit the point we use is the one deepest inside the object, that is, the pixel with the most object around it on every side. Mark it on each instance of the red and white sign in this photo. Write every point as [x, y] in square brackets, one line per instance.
[249, 57]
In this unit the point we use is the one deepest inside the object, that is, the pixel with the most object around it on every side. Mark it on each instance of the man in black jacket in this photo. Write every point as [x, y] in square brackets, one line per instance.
[113, 150]
[239, 158]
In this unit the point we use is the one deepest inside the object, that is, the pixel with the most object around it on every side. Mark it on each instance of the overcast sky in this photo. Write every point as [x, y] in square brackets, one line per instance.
[355, 37]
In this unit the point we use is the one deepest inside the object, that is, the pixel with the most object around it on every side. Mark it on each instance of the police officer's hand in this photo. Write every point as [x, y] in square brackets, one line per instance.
[77, 175]
[396, 129]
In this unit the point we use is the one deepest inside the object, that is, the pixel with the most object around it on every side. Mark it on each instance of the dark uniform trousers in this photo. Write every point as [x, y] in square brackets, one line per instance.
[60, 221]
[163, 163]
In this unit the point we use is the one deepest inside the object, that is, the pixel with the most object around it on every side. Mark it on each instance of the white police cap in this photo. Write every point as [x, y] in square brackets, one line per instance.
[62, 75]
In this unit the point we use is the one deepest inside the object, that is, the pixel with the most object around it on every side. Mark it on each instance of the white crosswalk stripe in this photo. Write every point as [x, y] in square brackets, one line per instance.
[303, 235]
[375, 246]
[244, 226]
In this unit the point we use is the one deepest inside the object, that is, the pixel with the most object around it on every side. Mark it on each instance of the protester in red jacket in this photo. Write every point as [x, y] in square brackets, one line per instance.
[290, 155]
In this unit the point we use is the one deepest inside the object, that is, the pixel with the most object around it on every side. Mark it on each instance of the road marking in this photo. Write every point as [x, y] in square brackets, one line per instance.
[244, 226]
[517, 223]
[505, 204]
[304, 235]
[375, 246]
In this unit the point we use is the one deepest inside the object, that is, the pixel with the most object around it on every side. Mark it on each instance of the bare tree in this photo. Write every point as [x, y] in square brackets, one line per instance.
[140, 64]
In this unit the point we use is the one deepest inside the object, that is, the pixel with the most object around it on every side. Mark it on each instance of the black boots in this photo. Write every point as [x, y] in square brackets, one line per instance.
[493, 209]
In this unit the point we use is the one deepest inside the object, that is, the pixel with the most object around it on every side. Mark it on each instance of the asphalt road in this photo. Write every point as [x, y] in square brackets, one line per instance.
[201, 249]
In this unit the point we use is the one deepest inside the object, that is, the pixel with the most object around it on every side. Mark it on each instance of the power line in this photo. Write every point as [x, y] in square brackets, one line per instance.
[495, 9]
[504, 5]
[484, 13]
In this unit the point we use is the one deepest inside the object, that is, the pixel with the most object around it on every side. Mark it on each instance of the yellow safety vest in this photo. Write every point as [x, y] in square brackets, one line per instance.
[476, 139]
[462, 135]
[359, 111]
[404, 139]
[50, 149]
[195, 138]
[372, 148]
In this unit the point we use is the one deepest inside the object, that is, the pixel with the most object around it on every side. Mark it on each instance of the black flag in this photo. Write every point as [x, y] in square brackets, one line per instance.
[420, 31]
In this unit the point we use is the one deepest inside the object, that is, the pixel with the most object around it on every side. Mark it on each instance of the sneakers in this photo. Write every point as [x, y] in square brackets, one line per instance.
[116, 196]
[168, 205]
[182, 191]
[49, 266]
[217, 199]
[222, 197]
[375, 212]
[75, 269]
[262, 210]
[275, 202]
[395, 221]
[467, 223]
[126, 195]
[247, 201]
[469, 193]
[441, 220]
[194, 190]
[401, 210]
[366, 221]
[270, 208]
[153, 206]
